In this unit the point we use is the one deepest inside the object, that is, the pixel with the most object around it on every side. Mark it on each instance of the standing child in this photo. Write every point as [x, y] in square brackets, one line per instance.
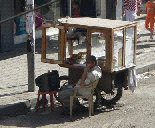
[75, 9]
[149, 21]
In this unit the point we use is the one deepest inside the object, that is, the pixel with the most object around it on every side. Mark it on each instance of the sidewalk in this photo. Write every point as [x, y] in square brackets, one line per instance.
[145, 48]
[20, 102]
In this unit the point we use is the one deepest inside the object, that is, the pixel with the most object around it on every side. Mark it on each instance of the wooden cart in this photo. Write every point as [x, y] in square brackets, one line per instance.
[113, 42]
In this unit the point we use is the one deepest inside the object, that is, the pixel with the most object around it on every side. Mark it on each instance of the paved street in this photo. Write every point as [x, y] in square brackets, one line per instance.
[134, 110]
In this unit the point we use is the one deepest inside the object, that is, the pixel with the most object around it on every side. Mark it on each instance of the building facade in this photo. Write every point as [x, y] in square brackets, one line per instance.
[88, 8]
[6, 29]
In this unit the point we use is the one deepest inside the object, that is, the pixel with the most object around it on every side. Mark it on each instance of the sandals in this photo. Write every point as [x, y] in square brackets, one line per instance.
[151, 39]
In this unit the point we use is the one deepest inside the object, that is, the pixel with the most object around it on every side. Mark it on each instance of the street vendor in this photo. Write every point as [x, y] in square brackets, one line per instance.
[91, 73]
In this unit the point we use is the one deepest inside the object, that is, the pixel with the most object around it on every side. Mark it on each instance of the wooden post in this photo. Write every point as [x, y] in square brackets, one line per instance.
[30, 29]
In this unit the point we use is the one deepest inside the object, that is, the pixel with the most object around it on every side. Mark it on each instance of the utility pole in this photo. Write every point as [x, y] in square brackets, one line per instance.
[30, 29]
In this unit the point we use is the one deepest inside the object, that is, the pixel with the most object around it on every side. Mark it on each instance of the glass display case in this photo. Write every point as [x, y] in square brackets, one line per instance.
[71, 40]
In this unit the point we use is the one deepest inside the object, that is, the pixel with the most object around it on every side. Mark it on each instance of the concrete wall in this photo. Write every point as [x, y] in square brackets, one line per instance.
[23, 38]
[119, 10]
[103, 9]
[6, 29]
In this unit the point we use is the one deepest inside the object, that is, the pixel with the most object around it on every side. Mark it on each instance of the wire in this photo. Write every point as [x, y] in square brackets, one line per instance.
[23, 13]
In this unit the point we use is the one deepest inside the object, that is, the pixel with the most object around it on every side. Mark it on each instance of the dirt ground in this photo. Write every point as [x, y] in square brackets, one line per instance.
[134, 110]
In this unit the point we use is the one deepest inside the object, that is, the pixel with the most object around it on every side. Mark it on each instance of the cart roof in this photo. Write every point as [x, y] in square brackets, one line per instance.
[96, 22]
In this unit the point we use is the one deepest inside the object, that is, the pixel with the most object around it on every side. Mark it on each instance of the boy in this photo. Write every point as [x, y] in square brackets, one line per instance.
[75, 9]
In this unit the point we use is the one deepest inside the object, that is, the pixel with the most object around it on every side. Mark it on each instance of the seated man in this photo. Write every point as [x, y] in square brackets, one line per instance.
[90, 74]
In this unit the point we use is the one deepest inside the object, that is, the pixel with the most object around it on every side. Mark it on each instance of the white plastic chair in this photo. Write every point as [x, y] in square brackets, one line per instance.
[89, 96]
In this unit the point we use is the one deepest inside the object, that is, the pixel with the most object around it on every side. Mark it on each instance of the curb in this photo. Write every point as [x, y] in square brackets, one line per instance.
[146, 68]
[18, 108]
[141, 41]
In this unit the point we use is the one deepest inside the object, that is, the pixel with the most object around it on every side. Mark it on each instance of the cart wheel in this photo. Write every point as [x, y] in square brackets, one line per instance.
[106, 99]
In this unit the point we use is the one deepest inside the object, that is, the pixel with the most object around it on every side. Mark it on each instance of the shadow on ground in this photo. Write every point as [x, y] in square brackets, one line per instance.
[140, 18]
[45, 118]
[19, 49]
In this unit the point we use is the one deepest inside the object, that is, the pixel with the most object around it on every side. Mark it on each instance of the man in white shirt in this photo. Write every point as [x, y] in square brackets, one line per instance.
[130, 9]
[90, 74]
